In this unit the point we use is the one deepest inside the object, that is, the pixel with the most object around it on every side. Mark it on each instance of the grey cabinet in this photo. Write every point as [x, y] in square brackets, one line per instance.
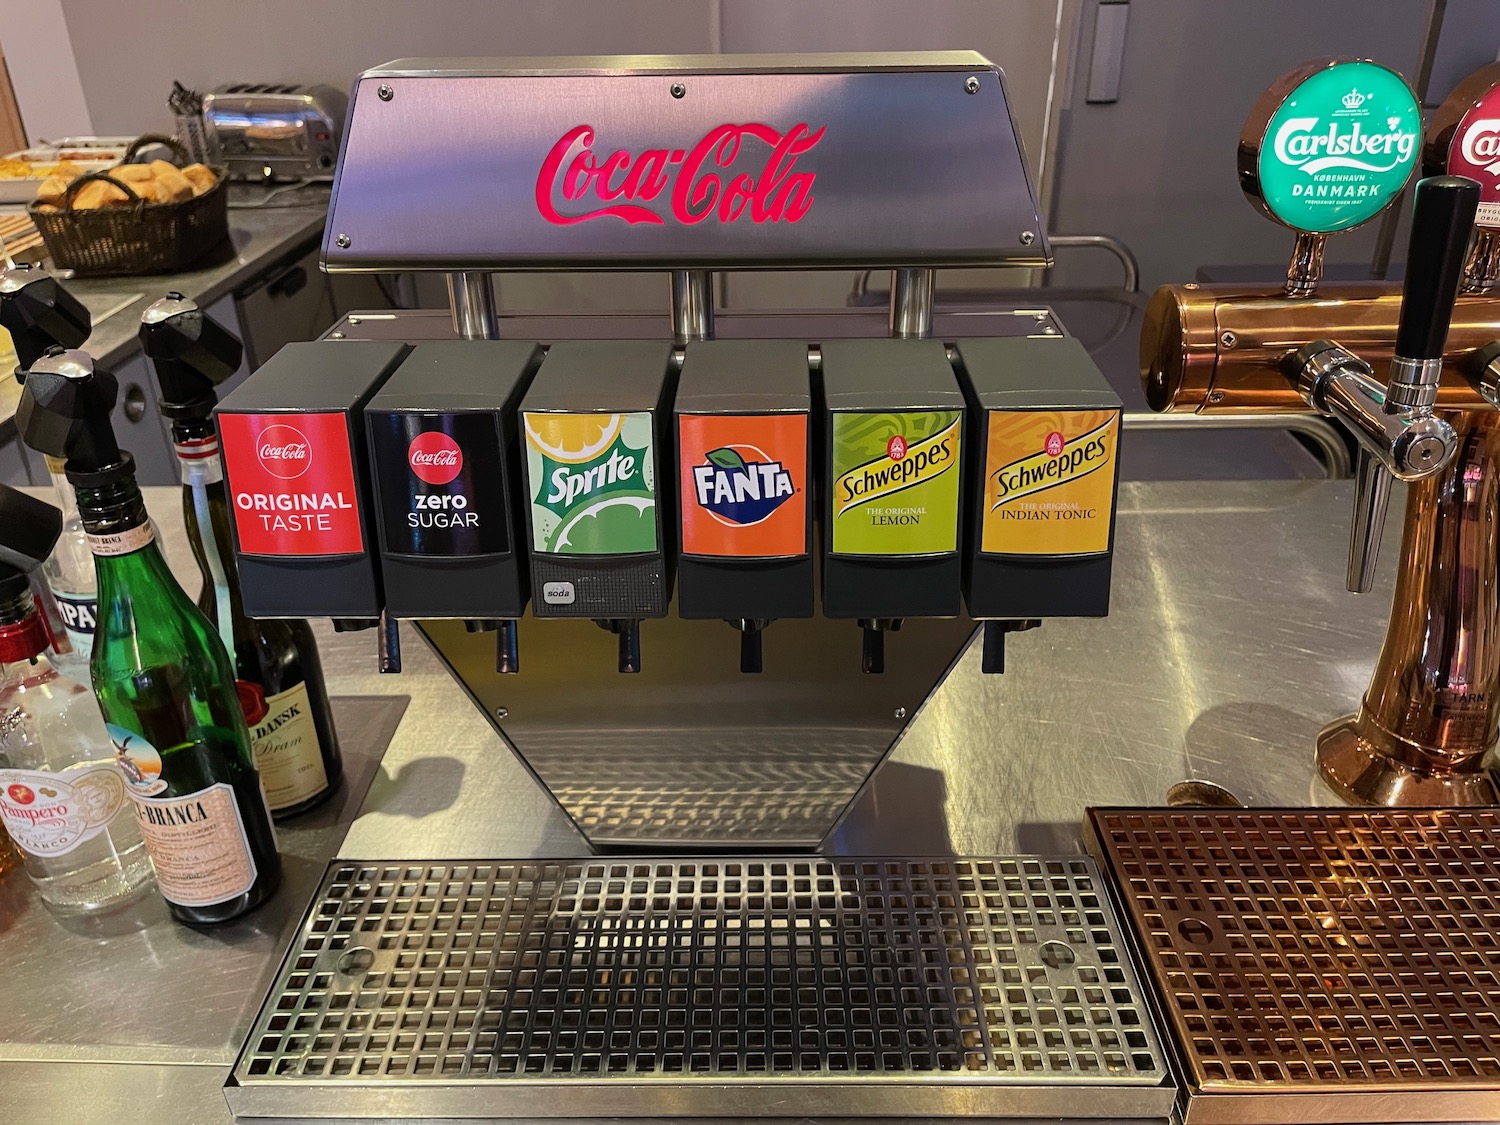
[139, 426]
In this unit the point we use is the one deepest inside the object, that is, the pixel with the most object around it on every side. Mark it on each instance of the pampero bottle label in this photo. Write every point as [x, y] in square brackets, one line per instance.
[1049, 482]
[592, 483]
[1340, 147]
[1475, 152]
[896, 482]
[79, 612]
[291, 482]
[441, 484]
[743, 485]
[50, 814]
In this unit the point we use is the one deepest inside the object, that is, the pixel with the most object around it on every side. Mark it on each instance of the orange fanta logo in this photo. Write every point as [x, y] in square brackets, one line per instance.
[744, 484]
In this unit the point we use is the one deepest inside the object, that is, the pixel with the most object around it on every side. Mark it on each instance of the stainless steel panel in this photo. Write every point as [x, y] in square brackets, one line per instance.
[780, 160]
[705, 987]
[690, 752]
[1320, 964]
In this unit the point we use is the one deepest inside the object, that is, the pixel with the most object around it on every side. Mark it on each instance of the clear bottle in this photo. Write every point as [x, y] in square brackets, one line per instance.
[69, 571]
[62, 798]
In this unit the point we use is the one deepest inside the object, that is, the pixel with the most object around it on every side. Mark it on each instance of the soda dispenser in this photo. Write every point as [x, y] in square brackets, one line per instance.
[892, 421]
[594, 421]
[294, 454]
[1045, 428]
[743, 414]
[445, 453]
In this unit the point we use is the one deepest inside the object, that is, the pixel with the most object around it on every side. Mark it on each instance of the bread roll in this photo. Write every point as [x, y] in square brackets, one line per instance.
[51, 190]
[201, 176]
[99, 193]
[133, 173]
[172, 186]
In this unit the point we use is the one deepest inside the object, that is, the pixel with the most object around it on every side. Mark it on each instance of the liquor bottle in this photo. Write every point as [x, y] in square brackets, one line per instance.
[61, 795]
[162, 676]
[69, 571]
[278, 675]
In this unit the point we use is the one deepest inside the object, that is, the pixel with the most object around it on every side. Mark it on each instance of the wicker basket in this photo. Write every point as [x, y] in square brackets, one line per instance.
[139, 238]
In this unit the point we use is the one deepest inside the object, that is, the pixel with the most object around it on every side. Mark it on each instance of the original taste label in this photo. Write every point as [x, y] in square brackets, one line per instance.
[291, 480]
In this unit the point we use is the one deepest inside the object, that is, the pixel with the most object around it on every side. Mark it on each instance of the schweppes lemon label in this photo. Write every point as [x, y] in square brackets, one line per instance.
[896, 482]
[1049, 482]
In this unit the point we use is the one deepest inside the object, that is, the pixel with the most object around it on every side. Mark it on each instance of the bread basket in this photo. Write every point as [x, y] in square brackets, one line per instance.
[142, 237]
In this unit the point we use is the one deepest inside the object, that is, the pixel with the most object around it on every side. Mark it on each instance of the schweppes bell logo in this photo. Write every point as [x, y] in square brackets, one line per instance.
[903, 466]
[1057, 462]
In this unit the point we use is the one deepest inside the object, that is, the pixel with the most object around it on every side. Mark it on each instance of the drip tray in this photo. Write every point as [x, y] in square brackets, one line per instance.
[712, 987]
[1319, 964]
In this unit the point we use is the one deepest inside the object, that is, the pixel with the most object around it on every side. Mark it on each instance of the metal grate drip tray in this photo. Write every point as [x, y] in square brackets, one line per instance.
[1345, 961]
[723, 987]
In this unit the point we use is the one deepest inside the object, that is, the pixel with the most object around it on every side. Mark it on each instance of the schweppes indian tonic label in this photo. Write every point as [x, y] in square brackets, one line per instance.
[1049, 482]
[896, 482]
[592, 483]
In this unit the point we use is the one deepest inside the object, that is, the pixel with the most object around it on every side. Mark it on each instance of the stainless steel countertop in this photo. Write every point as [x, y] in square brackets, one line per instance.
[1231, 641]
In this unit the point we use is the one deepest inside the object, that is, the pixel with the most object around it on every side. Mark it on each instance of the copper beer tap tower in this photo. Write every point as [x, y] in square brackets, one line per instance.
[1429, 718]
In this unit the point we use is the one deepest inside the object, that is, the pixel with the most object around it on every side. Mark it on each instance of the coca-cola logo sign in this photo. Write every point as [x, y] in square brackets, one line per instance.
[435, 457]
[283, 451]
[577, 183]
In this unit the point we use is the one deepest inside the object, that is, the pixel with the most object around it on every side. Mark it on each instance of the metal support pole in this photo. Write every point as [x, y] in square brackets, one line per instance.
[473, 304]
[911, 304]
[692, 305]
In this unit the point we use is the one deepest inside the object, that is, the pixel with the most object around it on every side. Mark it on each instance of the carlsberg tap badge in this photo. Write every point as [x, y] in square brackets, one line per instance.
[592, 483]
[1339, 148]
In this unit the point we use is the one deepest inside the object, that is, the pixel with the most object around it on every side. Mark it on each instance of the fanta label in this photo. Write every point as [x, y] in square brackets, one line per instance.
[744, 485]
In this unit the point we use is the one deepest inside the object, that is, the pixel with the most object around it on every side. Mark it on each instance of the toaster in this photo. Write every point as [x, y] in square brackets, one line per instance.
[274, 132]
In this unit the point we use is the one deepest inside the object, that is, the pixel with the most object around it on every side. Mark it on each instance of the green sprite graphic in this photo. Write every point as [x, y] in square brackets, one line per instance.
[602, 505]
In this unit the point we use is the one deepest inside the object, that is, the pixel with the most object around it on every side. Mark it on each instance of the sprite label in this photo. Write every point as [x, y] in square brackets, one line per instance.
[1340, 147]
[592, 483]
[895, 483]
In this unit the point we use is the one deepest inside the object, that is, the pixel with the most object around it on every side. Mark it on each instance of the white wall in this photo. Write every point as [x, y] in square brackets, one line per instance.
[43, 72]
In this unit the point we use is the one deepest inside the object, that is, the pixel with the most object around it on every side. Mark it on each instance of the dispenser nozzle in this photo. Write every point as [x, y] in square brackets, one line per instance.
[751, 630]
[65, 410]
[39, 314]
[388, 644]
[192, 354]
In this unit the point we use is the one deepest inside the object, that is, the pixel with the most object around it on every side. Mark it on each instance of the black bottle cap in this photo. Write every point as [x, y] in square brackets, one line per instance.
[191, 352]
[65, 410]
[29, 529]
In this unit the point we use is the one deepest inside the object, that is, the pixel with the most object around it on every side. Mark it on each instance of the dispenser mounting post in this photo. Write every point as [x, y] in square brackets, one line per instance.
[911, 303]
[473, 303]
[692, 306]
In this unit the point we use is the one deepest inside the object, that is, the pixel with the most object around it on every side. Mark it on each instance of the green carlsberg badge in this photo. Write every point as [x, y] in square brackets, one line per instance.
[1339, 148]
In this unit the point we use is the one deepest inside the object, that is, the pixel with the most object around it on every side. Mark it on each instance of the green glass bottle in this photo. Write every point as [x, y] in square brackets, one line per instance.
[278, 675]
[167, 690]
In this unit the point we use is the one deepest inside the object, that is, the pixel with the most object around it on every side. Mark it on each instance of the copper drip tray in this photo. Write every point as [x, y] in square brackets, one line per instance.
[1345, 962]
[706, 988]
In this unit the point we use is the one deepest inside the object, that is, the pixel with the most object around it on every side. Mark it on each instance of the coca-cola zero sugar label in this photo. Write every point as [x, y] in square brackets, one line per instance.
[1475, 152]
[291, 483]
[1339, 148]
[440, 484]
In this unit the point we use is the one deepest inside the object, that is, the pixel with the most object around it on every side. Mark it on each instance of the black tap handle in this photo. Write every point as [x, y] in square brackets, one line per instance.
[65, 410]
[39, 314]
[191, 352]
[1441, 223]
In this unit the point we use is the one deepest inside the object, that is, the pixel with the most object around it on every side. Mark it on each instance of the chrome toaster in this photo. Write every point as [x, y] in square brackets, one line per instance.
[269, 131]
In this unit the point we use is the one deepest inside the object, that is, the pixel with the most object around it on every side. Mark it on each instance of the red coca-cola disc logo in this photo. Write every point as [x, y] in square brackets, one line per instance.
[1054, 444]
[435, 457]
[284, 451]
[252, 701]
[895, 449]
